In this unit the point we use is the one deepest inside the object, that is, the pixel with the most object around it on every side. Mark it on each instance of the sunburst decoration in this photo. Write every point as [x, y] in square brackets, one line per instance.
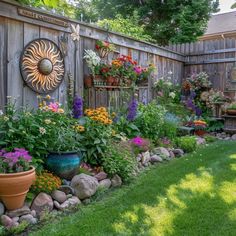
[42, 66]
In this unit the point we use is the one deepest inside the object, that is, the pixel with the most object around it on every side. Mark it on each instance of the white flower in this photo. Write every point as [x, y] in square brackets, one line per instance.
[42, 130]
[6, 118]
[170, 72]
[1, 112]
[47, 121]
[172, 95]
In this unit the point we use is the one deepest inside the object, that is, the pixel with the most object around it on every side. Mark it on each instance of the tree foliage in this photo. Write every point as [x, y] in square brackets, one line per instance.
[129, 26]
[167, 21]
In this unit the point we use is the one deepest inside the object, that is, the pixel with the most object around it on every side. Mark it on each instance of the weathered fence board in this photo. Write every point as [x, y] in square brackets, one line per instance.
[20, 25]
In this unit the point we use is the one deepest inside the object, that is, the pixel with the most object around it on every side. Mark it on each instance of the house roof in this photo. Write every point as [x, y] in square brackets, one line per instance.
[221, 23]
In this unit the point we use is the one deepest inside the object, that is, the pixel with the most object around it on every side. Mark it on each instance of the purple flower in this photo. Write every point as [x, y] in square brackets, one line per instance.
[132, 109]
[192, 94]
[137, 141]
[198, 111]
[77, 107]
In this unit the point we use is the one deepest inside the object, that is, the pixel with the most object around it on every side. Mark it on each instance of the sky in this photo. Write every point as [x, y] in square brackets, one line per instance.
[225, 5]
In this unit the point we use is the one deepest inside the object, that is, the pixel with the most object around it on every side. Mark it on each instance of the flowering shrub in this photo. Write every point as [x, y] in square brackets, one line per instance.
[96, 136]
[38, 131]
[16, 161]
[199, 81]
[45, 182]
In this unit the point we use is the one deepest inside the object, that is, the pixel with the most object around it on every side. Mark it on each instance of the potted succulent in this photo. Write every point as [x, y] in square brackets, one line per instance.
[16, 177]
[231, 109]
[104, 48]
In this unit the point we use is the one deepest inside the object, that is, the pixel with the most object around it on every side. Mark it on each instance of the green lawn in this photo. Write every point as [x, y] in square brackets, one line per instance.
[195, 195]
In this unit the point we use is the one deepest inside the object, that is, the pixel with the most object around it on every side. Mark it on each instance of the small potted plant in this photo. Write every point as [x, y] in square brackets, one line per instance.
[63, 158]
[104, 48]
[199, 127]
[231, 109]
[93, 61]
[16, 177]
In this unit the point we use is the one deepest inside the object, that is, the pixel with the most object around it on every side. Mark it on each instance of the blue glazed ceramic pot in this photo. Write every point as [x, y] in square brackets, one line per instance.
[65, 164]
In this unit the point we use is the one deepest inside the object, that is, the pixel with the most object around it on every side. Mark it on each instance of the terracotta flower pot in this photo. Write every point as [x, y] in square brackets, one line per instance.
[110, 80]
[200, 132]
[88, 81]
[14, 187]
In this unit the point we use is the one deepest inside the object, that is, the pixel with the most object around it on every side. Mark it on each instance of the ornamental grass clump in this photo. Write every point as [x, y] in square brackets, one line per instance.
[46, 182]
[16, 161]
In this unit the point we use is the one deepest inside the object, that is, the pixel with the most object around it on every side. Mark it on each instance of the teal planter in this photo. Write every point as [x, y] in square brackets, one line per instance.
[65, 165]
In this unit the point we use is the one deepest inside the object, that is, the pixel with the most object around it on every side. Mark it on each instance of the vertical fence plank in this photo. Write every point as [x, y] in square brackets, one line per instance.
[15, 47]
[3, 62]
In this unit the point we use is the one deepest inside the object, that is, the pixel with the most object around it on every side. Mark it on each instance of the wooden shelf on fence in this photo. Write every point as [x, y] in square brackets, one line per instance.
[111, 87]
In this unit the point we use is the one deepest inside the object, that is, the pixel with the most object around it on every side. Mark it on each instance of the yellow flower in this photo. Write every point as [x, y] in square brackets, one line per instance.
[60, 110]
[48, 97]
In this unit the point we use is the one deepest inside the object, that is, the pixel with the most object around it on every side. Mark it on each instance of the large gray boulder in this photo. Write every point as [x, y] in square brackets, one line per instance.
[84, 185]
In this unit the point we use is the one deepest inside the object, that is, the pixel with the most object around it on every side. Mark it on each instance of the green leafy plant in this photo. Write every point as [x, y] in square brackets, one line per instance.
[187, 143]
[210, 138]
[119, 160]
[150, 120]
[126, 127]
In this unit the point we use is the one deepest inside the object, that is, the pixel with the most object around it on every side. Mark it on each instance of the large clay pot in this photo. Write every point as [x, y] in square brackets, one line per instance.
[14, 187]
[65, 165]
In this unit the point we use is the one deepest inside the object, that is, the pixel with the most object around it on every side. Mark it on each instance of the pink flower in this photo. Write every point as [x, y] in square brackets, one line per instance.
[138, 69]
[137, 141]
[160, 93]
[53, 106]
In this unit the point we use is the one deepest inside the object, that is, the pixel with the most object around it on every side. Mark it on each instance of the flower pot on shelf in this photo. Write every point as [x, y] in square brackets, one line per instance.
[14, 187]
[231, 112]
[98, 80]
[88, 81]
[110, 80]
[65, 164]
[200, 132]
[116, 81]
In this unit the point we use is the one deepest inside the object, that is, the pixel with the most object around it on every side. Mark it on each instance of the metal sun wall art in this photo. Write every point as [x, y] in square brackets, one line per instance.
[42, 66]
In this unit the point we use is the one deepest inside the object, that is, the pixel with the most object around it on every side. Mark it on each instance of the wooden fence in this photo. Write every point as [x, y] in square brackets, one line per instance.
[20, 25]
[217, 57]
